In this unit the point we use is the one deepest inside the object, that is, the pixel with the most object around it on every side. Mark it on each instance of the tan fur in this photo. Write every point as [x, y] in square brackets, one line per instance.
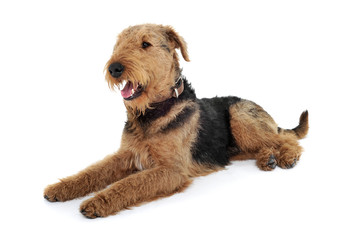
[144, 68]
[256, 133]
[152, 162]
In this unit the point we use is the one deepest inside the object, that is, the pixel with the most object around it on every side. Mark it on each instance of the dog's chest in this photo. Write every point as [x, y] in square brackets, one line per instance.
[141, 151]
[164, 140]
[138, 163]
[169, 148]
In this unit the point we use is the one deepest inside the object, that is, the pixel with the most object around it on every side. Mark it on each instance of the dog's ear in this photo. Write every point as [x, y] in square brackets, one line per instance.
[178, 41]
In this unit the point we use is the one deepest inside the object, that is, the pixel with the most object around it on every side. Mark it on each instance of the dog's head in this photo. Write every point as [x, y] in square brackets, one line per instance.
[144, 64]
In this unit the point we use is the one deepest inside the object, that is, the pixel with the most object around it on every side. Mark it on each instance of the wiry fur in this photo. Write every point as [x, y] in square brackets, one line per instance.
[167, 143]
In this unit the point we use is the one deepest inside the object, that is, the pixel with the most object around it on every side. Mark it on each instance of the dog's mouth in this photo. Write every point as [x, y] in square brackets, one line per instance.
[131, 90]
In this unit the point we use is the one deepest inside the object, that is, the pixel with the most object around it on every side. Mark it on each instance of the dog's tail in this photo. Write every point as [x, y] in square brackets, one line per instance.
[301, 130]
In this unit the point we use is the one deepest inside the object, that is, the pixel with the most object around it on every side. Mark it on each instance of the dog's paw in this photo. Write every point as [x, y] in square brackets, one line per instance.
[288, 155]
[94, 207]
[51, 199]
[56, 193]
[268, 165]
[272, 163]
[288, 163]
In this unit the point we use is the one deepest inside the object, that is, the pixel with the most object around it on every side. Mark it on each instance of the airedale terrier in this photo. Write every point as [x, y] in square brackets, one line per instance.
[170, 135]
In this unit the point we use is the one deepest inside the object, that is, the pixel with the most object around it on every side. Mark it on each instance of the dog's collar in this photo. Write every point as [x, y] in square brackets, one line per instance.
[177, 90]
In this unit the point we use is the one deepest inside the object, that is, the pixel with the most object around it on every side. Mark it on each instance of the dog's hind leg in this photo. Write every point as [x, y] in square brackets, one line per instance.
[255, 133]
[94, 178]
[258, 136]
[289, 151]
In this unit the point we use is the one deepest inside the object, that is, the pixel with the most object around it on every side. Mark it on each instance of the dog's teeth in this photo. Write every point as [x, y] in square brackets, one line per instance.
[122, 85]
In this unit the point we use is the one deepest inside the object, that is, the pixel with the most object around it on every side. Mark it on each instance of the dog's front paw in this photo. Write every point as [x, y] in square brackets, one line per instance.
[95, 207]
[57, 192]
[53, 192]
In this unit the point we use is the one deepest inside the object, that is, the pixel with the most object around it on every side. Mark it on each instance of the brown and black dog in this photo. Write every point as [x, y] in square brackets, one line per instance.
[170, 135]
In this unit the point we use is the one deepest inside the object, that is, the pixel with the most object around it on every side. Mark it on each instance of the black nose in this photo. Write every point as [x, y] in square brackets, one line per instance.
[116, 69]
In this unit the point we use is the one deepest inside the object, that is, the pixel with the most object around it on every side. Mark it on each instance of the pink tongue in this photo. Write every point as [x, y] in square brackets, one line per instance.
[126, 92]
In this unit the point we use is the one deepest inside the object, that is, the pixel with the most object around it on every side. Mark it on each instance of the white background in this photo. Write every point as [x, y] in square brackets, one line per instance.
[58, 115]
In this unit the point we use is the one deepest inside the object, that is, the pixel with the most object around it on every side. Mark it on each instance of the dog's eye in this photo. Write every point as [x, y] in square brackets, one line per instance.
[145, 45]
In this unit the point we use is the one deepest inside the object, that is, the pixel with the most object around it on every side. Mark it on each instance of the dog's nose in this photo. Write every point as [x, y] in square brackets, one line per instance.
[116, 69]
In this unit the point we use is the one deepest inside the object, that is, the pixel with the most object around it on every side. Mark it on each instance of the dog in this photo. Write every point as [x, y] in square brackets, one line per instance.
[170, 135]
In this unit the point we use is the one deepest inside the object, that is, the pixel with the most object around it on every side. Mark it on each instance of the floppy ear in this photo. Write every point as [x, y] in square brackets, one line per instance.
[178, 42]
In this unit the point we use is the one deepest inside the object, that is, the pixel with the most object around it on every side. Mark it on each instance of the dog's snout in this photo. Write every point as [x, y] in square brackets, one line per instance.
[116, 69]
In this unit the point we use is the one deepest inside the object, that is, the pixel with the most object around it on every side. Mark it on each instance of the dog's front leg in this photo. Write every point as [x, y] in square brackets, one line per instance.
[94, 178]
[140, 187]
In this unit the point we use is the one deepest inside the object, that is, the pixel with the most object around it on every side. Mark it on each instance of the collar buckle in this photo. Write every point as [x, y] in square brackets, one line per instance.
[178, 89]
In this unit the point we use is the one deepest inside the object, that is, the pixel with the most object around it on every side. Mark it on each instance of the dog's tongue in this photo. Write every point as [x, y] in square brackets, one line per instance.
[127, 90]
